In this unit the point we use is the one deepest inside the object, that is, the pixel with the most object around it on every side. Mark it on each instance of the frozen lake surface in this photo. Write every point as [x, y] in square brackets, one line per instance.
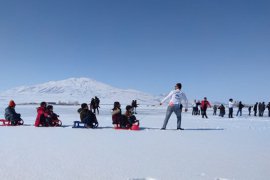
[215, 148]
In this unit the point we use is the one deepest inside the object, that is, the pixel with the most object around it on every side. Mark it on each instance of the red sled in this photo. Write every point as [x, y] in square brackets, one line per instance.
[134, 127]
[4, 122]
[53, 123]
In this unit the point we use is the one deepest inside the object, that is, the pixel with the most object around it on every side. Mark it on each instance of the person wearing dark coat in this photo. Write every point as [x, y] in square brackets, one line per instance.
[51, 116]
[221, 110]
[255, 108]
[130, 117]
[134, 106]
[249, 110]
[93, 105]
[240, 107]
[97, 101]
[215, 107]
[11, 115]
[87, 116]
[262, 109]
[268, 107]
[118, 119]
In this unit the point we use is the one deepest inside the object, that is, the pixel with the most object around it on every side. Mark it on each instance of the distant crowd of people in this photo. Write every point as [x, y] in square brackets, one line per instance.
[200, 107]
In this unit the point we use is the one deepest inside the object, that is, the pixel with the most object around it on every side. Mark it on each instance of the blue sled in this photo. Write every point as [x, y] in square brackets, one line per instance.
[79, 124]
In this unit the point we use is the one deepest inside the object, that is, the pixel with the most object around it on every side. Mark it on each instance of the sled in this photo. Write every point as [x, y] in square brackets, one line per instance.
[79, 124]
[134, 127]
[56, 123]
[4, 122]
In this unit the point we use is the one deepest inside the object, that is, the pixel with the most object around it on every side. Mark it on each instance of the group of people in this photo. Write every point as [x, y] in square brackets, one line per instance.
[125, 120]
[201, 107]
[260, 107]
[46, 116]
[94, 104]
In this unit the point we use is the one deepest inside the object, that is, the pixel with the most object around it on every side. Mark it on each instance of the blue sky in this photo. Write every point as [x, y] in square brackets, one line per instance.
[216, 48]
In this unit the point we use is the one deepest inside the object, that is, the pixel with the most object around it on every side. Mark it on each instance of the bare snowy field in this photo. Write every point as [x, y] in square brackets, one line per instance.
[214, 149]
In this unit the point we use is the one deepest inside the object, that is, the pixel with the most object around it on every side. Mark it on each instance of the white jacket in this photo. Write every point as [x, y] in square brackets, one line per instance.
[231, 104]
[177, 96]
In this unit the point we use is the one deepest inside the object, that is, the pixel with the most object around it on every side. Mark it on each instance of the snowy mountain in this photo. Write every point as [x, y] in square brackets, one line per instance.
[76, 90]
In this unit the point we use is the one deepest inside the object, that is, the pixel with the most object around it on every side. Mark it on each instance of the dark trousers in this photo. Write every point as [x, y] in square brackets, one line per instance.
[255, 113]
[204, 114]
[194, 111]
[230, 112]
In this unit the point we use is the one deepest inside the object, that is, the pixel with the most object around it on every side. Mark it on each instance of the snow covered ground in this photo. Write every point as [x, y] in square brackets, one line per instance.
[214, 149]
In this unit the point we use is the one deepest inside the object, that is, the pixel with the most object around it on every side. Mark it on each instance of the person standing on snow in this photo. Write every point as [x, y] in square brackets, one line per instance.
[177, 96]
[215, 107]
[205, 104]
[255, 108]
[249, 110]
[231, 104]
[268, 107]
[240, 107]
[222, 110]
[194, 111]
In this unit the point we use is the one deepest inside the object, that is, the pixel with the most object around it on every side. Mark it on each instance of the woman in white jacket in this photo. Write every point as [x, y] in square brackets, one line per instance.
[177, 96]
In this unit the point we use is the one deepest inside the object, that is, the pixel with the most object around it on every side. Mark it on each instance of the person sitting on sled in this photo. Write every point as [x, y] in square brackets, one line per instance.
[130, 117]
[41, 115]
[11, 115]
[87, 116]
[51, 116]
[117, 118]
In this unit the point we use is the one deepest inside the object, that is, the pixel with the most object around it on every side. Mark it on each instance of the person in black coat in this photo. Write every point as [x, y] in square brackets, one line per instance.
[215, 107]
[221, 110]
[249, 110]
[262, 108]
[240, 107]
[87, 116]
[255, 108]
[134, 106]
[11, 115]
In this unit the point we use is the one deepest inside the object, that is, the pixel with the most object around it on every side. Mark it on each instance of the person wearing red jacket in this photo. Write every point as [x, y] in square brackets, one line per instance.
[41, 114]
[204, 105]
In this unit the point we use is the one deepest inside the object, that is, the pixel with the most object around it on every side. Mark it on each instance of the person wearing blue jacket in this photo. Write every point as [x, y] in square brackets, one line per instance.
[11, 115]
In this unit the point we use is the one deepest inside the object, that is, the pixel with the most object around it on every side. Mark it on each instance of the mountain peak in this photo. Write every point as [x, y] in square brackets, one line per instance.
[75, 89]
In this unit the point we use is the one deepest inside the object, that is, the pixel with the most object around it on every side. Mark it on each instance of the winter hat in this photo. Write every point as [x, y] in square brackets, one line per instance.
[12, 103]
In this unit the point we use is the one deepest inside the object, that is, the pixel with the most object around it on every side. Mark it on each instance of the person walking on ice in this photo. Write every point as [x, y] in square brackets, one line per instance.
[177, 96]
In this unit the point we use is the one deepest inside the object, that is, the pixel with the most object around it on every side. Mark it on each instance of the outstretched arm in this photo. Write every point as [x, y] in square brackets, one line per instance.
[166, 98]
